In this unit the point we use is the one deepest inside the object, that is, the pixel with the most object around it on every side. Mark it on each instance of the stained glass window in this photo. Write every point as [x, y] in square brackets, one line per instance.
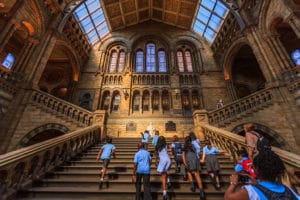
[113, 62]
[150, 58]
[139, 61]
[8, 61]
[121, 61]
[162, 61]
[296, 56]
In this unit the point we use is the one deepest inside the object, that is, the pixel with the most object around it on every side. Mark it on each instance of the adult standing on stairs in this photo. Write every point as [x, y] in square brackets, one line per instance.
[105, 153]
[141, 170]
[251, 138]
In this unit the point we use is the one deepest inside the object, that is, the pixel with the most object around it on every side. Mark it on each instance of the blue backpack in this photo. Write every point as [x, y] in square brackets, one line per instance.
[177, 151]
[286, 195]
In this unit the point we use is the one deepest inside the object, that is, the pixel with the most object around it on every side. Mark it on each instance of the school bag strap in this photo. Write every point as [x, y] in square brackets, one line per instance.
[286, 195]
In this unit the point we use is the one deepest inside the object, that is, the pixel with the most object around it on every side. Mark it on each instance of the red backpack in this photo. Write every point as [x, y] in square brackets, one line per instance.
[248, 167]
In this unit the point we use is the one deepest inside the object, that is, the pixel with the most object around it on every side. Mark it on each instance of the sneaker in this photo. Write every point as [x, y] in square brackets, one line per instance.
[218, 186]
[193, 189]
[100, 184]
[202, 194]
[165, 197]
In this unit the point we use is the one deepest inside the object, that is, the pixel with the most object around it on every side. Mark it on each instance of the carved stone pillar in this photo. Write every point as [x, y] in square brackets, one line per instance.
[6, 34]
[200, 117]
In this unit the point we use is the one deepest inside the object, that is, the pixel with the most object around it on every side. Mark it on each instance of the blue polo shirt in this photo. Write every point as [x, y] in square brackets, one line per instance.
[155, 139]
[142, 159]
[106, 150]
[146, 137]
[211, 151]
[196, 144]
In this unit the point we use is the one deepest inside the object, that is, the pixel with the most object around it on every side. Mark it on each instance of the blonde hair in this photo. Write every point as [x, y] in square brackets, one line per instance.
[248, 127]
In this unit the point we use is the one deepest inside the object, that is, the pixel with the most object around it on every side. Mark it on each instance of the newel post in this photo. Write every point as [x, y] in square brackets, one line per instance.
[200, 117]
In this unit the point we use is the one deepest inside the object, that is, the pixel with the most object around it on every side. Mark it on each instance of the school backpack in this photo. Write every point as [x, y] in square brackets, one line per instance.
[263, 144]
[248, 167]
[177, 151]
[286, 195]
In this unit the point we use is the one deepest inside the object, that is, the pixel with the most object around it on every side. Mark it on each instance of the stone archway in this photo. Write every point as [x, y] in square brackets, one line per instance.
[275, 138]
[246, 74]
[43, 133]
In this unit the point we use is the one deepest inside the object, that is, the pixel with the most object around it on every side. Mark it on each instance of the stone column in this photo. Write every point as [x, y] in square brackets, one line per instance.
[263, 54]
[40, 57]
[6, 34]
[294, 22]
[231, 90]
[26, 52]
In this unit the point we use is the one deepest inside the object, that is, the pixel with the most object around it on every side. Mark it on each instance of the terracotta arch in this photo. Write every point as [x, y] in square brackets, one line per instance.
[25, 141]
[230, 55]
[275, 138]
[72, 55]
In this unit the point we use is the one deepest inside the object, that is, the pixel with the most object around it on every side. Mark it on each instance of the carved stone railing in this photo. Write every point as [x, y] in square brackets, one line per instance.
[231, 142]
[291, 75]
[247, 104]
[62, 107]
[18, 169]
[12, 77]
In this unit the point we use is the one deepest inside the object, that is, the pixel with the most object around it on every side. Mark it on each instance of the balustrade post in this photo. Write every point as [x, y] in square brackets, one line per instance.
[200, 117]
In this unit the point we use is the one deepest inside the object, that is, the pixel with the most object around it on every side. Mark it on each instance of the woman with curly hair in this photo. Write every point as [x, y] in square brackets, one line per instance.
[269, 169]
[192, 164]
[164, 164]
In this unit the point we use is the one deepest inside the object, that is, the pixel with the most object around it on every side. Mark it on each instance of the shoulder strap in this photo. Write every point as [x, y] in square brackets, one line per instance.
[270, 194]
[254, 133]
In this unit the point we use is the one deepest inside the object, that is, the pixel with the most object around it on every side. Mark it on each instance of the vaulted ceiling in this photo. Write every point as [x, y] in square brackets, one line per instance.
[124, 13]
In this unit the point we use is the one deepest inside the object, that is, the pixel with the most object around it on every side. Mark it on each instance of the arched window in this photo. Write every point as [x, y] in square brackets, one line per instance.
[136, 102]
[139, 64]
[146, 101]
[180, 61]
[121, 61]
[188, 61]
[162, 65]
[113, 61]
[9, 60]
[150, 57]
[184, 61]
[116, 102]
[296, 56]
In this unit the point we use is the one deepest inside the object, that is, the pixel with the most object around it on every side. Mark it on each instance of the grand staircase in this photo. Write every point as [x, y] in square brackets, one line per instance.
[79, 178]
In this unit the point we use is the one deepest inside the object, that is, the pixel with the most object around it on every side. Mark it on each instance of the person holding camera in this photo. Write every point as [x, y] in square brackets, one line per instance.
[244, 167]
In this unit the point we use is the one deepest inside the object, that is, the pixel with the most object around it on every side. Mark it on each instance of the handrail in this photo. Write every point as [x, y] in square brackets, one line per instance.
[254, 101]
[231, 142]
[19, 168]
[60, 106]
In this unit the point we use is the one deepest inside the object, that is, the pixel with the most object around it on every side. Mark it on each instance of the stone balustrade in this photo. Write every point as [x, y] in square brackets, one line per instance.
[12, 77]
[150, 79]
[291, 75]
[62, 107]
[18, 169]
[231, 142]
[243, 105]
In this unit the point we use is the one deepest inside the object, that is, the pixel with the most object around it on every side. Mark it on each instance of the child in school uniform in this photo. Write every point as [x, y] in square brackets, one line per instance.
[105, 153]
[192, 165]
[164, 164]
[209, 156]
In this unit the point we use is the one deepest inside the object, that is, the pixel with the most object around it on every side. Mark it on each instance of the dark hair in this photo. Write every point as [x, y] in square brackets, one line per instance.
[268, 166]
[161, 143]
[109, 140]
[188, 144]
[242, 152]
[192, 135]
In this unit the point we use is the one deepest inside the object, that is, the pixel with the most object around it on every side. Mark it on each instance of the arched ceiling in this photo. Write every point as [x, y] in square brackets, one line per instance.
[179, 13]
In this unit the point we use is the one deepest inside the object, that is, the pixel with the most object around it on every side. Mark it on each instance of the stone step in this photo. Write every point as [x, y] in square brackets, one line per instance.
[79, 178]
[124, 192]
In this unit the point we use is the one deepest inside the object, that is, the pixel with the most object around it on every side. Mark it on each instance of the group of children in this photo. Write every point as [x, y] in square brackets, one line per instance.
[187, 158]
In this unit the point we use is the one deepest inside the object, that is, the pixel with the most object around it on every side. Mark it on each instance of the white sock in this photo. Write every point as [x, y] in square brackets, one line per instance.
[164, 192]
[101, 179]
[168, 180]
